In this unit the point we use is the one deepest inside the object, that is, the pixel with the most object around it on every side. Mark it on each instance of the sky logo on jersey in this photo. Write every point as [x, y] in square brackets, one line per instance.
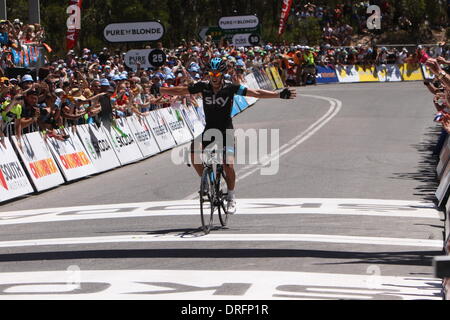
[3, 181]
[217, 101]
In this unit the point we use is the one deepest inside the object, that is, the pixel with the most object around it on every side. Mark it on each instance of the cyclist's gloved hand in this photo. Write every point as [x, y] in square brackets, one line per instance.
[285, 94]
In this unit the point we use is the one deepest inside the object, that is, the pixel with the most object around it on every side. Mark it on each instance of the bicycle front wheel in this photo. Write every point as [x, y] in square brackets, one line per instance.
[221, 196]
[206, 201]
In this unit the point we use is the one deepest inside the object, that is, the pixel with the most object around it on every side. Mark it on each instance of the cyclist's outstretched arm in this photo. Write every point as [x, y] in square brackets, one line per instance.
[264, 94]
[175, 91]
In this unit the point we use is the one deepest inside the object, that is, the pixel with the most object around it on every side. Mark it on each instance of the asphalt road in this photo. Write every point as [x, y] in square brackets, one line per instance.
[347, 213]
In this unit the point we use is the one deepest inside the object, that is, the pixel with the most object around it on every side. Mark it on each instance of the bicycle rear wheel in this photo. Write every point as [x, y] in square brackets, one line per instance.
[206, 201]
[221, 196]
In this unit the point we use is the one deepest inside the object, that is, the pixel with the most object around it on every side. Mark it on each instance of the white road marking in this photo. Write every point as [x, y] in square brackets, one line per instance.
[300, 206]
[226, 238]
[212, 285]
[335, 108]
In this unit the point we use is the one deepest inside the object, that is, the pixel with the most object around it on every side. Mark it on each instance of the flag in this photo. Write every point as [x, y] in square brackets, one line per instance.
[285, 11]
[73, 23]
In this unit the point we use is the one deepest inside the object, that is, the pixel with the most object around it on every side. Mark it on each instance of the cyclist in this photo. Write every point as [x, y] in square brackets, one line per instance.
[218, 96]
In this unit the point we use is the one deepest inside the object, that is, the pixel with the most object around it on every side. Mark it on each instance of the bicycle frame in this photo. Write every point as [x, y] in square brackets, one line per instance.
[213, 169]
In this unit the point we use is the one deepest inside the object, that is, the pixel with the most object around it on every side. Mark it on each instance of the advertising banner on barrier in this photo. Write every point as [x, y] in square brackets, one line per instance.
[261, 80]
[253, 84]
[391, 73]
[443, 158]
[326, 75]
[13, 180]
[269, 84]
[200, 111]
[347, 74]
[277, 78]
[192, 120]
[176, 123]
[98, 146]
[411, 72]
[427, 73]
[235, 110]
[38, 161]
[241, 102]
[123, 142]
[71, 157]
[367, 74]
[271, 79]
[443, 185]
[160, 130]
[143, 136]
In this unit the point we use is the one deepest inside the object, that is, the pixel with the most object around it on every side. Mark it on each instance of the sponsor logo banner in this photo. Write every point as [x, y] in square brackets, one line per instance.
[143, 136]
[123, 141]
[192, 119]
[73, 23]
[238, 22]
[276, 77]
[160, 130]
[391, 73]
[13, 180]
[285, 12]
[271, 79]
[250, 82]
[347, 74]
[367, 74]
[326, 75]
[98, 146]
[38, 161]
[241, 102]
[235, 110]
[411, 72]
[134, 32]
[71, 157]
[176, 123]
[427, 73]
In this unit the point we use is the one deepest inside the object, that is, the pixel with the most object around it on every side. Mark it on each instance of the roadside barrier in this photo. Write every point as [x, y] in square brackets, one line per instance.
[381, 73]
[442, 195]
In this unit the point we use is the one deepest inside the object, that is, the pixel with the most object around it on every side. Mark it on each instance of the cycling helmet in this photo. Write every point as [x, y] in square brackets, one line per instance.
[217, 64]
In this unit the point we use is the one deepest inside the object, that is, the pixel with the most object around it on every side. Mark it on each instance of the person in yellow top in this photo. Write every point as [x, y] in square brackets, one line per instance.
[10, 110]
[309, 65]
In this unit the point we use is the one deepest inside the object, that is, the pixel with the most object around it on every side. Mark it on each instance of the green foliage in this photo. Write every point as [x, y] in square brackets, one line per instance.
[415, 10]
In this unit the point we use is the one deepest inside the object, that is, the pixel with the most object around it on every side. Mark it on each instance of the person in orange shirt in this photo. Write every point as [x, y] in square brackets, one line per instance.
[298, 61]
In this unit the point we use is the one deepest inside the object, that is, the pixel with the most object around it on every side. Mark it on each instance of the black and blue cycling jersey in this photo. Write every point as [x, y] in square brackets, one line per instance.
[218, 106]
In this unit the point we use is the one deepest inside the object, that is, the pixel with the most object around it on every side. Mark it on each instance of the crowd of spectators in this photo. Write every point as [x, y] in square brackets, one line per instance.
[440, 88]
[88, 87]
[13, 36]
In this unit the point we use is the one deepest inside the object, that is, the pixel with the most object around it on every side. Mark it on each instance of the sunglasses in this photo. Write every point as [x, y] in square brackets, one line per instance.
[215, 74]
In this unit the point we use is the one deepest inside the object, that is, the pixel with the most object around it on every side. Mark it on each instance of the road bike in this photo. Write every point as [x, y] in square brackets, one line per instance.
[212, 195]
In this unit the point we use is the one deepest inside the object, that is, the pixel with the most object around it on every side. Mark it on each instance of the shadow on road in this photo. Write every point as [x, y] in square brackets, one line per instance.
[417, 258]
[426, 168]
